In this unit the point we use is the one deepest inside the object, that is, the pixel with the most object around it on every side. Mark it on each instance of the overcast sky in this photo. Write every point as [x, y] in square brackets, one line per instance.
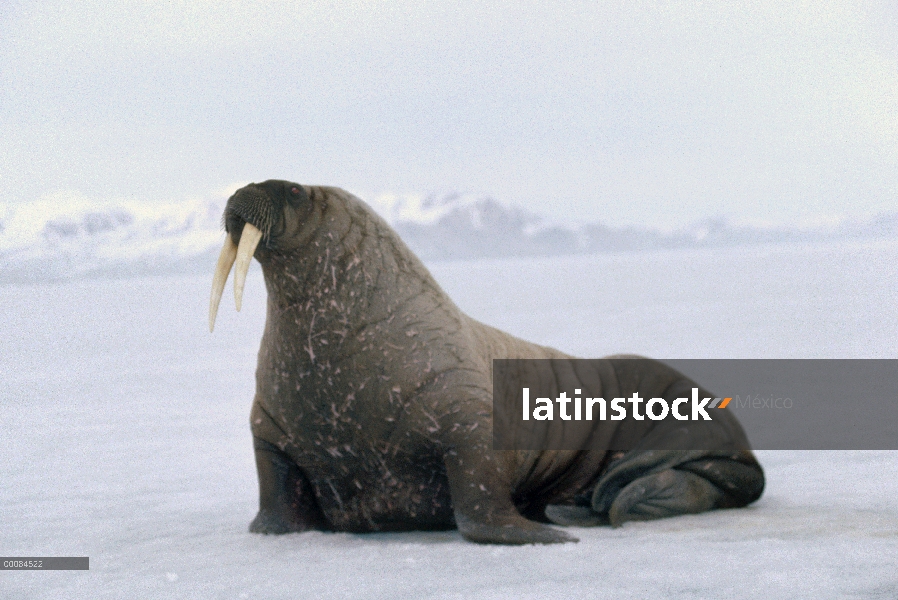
[626, 112]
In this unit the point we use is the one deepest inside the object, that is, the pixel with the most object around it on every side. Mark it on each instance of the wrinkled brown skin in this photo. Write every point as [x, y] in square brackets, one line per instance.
[373, 401]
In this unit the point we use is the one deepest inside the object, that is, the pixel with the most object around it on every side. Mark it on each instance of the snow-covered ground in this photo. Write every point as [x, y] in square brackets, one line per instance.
[125, 437]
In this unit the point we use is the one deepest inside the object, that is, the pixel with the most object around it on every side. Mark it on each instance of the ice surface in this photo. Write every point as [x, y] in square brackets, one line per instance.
[126, 437]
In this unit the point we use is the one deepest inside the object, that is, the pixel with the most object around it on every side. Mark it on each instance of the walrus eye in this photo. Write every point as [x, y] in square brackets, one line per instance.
[295, 191]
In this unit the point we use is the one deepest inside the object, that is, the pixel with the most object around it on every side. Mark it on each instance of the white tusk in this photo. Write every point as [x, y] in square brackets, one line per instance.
[249, 239]
[222, 269]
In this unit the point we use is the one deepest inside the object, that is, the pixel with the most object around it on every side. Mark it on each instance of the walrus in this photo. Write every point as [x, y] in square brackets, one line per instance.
[372, 409]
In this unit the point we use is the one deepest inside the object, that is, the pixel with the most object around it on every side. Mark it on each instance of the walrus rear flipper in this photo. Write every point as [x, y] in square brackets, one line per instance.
[741, 479]
[575, 516]
[665, 494]
[647, 487]
[652, 485]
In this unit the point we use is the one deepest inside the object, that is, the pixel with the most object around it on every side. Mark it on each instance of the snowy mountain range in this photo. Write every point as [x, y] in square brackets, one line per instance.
[67, 236]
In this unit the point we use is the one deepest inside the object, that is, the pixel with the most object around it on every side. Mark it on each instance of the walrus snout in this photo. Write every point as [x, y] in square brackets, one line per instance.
[251, 204]
[265, 205]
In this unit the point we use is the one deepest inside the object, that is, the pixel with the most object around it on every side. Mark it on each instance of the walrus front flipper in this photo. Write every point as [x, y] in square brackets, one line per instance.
[286, 499]
[481, 500]
[665, 494]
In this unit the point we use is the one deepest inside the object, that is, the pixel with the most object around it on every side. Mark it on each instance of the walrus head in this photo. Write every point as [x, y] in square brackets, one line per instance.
[260, 219]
